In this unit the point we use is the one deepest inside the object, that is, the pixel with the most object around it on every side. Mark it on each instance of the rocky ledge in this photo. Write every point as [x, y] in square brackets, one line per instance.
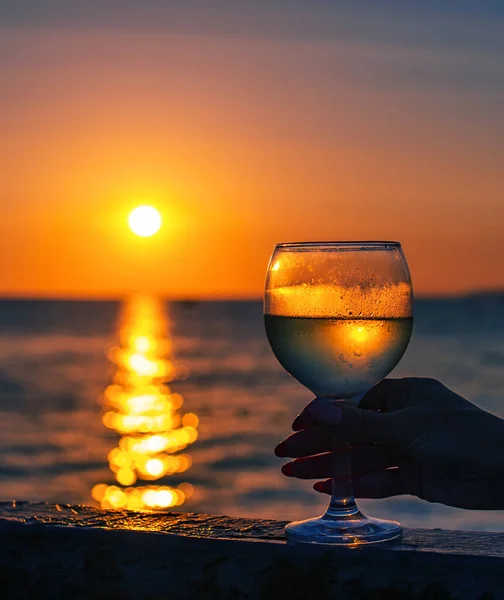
[59, 551]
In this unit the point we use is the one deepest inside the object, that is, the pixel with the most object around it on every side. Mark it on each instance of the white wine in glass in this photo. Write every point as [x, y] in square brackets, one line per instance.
[338, 317]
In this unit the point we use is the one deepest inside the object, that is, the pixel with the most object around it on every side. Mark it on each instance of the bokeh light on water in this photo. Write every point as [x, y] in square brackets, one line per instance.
[140, 406]
[54, 446]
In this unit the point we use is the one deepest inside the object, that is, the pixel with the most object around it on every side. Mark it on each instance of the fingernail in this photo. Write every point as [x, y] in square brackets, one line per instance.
[296, 424]
[326, 412]
[287, 469]
[280, 450]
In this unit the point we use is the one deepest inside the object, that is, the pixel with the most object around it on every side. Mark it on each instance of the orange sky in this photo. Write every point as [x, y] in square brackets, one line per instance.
[242, 141]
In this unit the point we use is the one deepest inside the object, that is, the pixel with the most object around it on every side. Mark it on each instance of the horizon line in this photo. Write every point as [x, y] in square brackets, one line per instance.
[119, 297]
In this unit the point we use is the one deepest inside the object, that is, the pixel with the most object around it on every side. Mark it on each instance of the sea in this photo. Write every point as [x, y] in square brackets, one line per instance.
[145, 403]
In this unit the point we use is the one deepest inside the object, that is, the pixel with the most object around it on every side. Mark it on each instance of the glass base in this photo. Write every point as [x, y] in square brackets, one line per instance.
[349, 530]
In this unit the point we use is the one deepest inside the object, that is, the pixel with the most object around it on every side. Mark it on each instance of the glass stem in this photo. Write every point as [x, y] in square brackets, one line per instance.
[342, 503]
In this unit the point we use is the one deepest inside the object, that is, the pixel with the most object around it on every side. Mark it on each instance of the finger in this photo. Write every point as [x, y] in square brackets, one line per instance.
[324, 487]
[386, 396]
[314, 440]
[362, 426]
[376, 397]
[364, 459]
[373, 485]
[304, 419]
[395, 394]
[309, 416]
[355, 426]
[323, 412]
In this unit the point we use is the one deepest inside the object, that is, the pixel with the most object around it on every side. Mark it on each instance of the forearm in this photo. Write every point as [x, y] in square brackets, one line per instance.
[487, 464]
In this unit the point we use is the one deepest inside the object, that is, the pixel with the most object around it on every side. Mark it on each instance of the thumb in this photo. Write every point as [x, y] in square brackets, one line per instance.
[360, 426]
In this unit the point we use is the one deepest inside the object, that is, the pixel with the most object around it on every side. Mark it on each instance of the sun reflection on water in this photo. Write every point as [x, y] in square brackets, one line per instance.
[140, 406]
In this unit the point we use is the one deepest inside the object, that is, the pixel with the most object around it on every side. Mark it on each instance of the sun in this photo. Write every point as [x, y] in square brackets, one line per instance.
[144, 221]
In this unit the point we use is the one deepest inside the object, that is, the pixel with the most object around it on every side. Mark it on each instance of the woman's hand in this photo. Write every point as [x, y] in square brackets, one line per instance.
[407, 436]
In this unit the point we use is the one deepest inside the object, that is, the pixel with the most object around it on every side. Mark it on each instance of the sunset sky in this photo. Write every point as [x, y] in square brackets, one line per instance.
[247, 123]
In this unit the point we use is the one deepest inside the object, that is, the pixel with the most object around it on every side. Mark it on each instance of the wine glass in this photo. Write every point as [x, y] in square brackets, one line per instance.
[338, 317]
